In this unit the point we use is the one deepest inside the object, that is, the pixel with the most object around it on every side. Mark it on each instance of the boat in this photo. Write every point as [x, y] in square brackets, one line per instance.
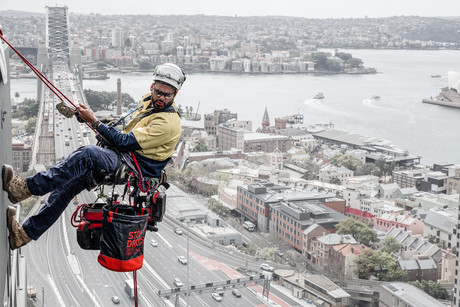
[375, 97]
[435, 76]
[319, 96]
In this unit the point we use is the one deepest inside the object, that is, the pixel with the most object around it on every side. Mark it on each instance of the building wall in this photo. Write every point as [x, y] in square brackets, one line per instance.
[268, 145]
[453, 185]
[21, 158]
[228, 138]
[5, 158]
[308, 238]
[253, 208]
[440, 235]
[383, 224]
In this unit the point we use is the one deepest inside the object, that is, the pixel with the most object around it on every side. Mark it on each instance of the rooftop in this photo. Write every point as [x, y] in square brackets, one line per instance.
[411, 294]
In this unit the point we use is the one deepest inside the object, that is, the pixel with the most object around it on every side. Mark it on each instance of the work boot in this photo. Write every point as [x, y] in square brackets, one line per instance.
[15, 186]
[18, 237]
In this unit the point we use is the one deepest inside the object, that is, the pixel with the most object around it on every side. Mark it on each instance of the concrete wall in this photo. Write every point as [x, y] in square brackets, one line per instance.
[5, 157]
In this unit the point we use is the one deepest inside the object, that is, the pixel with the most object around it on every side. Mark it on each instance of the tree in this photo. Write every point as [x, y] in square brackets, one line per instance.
[200, 146]
[127, 100]
[31, 124]
[351, 162]
[354, 63]
[432, 288]
[390, 245]
[343, 55]
[217, 207]
[379, 264]
[27, 109]
[367, 169]
[145, 64]
[103, 100]
[335, 180]
[358, 230]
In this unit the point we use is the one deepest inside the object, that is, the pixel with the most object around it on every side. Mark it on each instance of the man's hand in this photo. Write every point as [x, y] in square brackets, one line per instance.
[86, 114]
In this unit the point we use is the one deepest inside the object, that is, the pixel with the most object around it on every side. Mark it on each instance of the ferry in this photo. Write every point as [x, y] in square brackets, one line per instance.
[319, 96]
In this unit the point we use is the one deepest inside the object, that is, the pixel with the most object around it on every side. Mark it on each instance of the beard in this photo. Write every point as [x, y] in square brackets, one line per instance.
[160, 105]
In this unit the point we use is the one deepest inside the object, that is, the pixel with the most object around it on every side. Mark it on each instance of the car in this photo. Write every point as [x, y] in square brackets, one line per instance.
[115, 299]
[178, 231]
[177, 282]
[266, 267]
[182, 259]
[216, 297]
[236, 293]
[220, 290]
[153, 243]
[279, 253]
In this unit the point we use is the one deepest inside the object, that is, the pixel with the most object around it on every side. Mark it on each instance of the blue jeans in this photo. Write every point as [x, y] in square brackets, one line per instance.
[65, 180]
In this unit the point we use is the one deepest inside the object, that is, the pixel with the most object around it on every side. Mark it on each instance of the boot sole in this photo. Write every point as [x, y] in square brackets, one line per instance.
[6, 176]
[8, 224]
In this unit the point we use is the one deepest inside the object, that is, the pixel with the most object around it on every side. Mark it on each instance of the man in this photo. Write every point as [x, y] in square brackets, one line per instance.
[152, 135]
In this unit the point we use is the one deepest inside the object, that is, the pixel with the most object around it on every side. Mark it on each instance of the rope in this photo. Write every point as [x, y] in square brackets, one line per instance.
[136, 300]
[77, 216]
[139, 177]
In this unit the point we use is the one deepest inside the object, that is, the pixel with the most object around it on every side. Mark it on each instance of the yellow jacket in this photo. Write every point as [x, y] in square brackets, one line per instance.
[157, 133]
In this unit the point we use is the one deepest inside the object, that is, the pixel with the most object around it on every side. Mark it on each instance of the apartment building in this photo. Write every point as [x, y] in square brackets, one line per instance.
[330, 172]
[394, 219]
[409, 178]
[361, 216]
[320, 253]
[211, 121]
[22, 155]
[299, 207]
[343, 260]
[289, 219]
[440, 226]
[255, 141]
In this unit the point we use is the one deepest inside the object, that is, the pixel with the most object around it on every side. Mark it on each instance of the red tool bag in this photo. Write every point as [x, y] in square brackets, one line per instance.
[122, 239]
[88, 220]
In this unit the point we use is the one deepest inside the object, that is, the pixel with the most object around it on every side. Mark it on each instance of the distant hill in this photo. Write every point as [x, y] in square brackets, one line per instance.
[13, 13]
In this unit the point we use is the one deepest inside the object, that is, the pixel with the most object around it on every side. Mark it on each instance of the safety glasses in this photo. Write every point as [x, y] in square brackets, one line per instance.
[165, 95]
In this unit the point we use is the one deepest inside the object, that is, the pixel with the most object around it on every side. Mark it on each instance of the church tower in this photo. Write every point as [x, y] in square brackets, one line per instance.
[265, 120]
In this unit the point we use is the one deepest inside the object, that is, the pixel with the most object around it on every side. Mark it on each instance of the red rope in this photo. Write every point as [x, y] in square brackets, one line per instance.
[136, 300]
[140, 175]
[77, 216]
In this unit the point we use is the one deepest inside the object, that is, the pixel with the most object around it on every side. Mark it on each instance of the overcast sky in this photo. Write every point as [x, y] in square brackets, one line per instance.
[301, 8]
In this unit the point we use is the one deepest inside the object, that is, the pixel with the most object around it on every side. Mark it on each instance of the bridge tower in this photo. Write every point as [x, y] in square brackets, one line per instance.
[57, 34]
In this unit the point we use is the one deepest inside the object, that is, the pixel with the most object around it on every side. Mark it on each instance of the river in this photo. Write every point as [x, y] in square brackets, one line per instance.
[399, 116]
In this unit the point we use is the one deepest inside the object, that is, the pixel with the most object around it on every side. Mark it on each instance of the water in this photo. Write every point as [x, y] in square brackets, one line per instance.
[398, 116]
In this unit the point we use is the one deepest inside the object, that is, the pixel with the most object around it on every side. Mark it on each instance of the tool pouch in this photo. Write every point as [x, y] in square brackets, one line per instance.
[122, 240]
[90, 227]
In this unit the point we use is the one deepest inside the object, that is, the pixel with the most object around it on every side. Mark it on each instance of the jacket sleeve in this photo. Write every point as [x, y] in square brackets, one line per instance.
[121, 141]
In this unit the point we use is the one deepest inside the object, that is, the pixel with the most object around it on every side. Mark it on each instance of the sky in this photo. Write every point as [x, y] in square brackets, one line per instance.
[298, 8]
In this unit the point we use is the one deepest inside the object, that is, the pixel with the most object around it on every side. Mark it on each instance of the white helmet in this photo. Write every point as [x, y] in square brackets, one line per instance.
[170, 74]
